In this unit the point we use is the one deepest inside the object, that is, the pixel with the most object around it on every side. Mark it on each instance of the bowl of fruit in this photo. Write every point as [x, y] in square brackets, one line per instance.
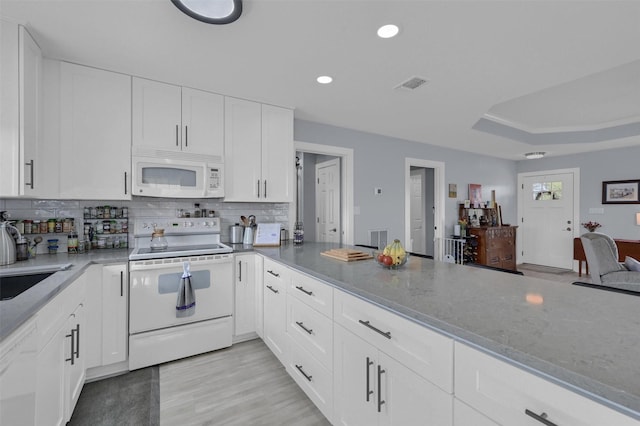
[392, 257]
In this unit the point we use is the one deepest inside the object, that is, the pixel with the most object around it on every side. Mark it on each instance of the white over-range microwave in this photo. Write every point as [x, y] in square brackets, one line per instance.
[158, 173]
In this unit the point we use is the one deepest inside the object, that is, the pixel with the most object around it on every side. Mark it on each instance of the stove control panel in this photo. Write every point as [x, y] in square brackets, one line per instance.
[176, 226]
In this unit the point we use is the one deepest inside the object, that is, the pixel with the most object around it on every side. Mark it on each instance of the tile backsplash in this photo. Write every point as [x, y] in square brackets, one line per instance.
[229, 213]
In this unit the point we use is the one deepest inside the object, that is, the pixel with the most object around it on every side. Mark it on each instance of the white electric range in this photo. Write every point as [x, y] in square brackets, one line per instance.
[157, 333]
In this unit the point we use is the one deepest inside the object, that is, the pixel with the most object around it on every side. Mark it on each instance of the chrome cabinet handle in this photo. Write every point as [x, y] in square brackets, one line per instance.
[307, 292]
[240, 271]
[273, 273]
[30, 164]
[369, 364]
[125, 183]
[386, 334]
[542, 418]
[306, 376]
[265, 188]
[177, 136]
[186, 136]
[272, 289]
[380, 400]
[72, 359]
[121, 283]
[77, 341]
[301, 325]
[258, 188]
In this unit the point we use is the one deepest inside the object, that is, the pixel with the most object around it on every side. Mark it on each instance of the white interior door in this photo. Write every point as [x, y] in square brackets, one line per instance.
[547, 227]
[328, 201]
[417, 211]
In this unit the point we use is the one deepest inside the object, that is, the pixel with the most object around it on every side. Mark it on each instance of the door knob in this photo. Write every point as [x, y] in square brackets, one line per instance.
[568, 228]
[333, 230]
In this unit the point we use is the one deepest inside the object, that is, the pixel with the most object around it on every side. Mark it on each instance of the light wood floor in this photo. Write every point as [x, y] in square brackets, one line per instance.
[246, 385]
[243, 385]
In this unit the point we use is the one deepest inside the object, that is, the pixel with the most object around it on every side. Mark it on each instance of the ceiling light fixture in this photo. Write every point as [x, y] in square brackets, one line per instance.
[211, 11]
[324, 79]
[388, 31]
[534, 155]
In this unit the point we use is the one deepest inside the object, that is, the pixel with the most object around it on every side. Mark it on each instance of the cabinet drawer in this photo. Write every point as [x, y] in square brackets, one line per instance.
[276, 273]
[311, 330]
[315, 380]
[506, 394]
[424, 351]
[313, 292]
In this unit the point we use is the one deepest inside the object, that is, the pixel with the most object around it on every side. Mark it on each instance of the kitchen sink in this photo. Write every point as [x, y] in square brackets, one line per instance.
[12, 286]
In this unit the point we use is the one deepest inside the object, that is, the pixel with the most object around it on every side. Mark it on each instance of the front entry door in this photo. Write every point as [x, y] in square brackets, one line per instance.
[547, 227]
[328, 201]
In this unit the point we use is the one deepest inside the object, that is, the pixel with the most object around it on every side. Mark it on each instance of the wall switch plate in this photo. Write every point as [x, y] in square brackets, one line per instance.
[596, 210]
[377, 191]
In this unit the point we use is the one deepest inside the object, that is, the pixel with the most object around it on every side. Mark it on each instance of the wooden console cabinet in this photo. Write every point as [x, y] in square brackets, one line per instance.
[496, 246]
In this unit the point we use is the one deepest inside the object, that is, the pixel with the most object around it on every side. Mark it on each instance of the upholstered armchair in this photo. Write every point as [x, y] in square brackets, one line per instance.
[602, 256]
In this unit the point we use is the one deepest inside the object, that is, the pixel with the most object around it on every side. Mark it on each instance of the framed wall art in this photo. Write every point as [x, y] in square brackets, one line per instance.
[621, 192]
[475, 195]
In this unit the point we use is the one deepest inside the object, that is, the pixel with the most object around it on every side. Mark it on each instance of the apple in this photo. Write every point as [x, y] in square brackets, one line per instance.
[381, 257]
[387, 260]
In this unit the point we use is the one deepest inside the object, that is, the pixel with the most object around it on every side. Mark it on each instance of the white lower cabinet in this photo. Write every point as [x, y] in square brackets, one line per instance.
[18, 376]
[107, 302]
[61, 355]
[244, 314]
[372, 388]
[276, 277]
[511, 396]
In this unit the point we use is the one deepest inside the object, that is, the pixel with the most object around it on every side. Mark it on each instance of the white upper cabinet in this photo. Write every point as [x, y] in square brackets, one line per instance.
[95, 134]
[259, 155]
[173, 118]
[23, 154]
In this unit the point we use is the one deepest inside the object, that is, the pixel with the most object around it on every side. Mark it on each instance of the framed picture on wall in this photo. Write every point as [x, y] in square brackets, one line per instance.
[475, 195]
[621, 192]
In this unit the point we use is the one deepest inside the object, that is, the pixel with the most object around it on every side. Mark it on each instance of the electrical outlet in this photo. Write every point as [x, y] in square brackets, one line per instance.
[377, 191]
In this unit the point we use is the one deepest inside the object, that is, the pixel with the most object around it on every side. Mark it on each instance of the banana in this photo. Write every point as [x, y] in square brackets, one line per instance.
[397, 252]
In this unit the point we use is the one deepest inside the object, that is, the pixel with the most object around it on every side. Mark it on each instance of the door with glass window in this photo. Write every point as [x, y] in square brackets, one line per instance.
[547, 227]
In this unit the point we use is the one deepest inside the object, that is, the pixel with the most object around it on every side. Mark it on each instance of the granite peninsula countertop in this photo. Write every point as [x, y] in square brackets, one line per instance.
[584, 339]
[16, 311]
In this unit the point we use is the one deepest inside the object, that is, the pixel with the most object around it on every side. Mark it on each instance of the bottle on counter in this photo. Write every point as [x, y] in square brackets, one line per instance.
[72, 242]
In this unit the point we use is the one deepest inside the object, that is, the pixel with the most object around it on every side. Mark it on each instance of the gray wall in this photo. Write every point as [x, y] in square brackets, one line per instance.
[596, 167]
[379, 162]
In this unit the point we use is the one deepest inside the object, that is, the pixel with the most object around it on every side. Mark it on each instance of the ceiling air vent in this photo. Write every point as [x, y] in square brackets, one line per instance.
[412, 83]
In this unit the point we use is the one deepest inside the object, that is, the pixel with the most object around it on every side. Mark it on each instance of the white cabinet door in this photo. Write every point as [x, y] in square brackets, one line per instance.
[408, 398]
[115, 330]
[259, 297]
[75, 359]
[242, 148]
[22, 152]
[202, 122]
[9, 107]
[95, 151]
[245, 292]
[35, 181]
[463, 415]
[278, 170]
[275, 308]
[18, 371]
[354, 380]
[156, 115]
[50, 390]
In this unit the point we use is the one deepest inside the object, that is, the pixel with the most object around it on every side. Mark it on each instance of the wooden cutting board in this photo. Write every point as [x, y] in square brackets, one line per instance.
[346, 255]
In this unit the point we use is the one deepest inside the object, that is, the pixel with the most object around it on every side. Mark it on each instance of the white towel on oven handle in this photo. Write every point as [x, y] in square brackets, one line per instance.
[186, 303]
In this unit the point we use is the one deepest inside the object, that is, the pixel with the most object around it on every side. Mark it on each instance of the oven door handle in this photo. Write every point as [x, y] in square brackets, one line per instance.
[146, 265]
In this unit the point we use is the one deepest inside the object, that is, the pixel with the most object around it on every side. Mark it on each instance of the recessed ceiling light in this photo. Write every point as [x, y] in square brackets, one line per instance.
[388, 31]
[534, 155]
[212, 12]
[324, 79]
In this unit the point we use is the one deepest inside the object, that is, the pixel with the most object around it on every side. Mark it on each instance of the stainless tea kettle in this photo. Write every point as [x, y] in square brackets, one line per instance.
[7, 244]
